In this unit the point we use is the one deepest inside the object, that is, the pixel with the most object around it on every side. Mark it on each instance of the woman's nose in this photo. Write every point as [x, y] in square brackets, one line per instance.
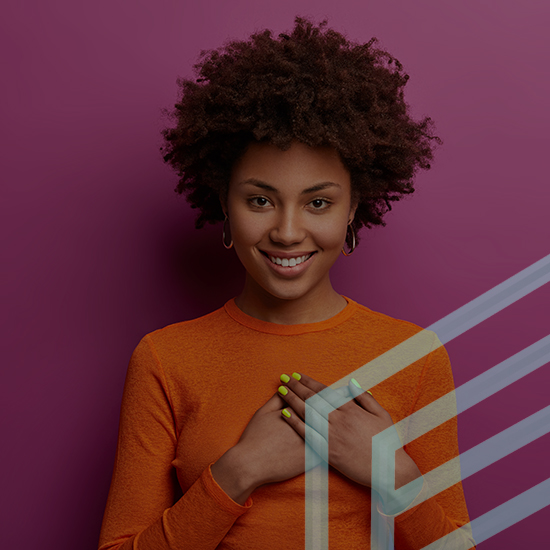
[288, 228]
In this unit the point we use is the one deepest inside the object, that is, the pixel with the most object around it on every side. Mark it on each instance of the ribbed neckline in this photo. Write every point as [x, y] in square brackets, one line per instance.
[274, 328]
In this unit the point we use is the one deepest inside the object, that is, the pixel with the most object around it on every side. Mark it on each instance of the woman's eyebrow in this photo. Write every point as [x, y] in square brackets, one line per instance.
[320, 187]
[259, 183]
[312, 189]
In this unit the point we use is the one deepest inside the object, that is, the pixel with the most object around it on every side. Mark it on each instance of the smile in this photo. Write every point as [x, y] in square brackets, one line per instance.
[287, 265]
[289, 262]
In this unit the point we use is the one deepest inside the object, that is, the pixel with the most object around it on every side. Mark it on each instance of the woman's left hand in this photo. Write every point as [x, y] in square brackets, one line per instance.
[351, 427]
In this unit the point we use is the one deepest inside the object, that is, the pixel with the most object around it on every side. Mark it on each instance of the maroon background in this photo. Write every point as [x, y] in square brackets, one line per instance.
[99, 250]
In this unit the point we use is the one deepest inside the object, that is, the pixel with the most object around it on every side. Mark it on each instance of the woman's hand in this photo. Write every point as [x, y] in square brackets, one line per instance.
[268, 451]
[351, 427]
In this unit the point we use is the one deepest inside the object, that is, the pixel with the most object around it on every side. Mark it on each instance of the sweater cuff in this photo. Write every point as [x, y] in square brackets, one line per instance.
[220, 496]
[429, 506]
[420, 497]
[201, 517]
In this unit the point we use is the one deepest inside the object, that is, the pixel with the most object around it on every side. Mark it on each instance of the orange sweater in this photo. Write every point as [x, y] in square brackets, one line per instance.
[190, 390]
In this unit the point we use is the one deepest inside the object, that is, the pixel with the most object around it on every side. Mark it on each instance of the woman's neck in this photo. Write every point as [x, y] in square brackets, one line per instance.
[318, 305]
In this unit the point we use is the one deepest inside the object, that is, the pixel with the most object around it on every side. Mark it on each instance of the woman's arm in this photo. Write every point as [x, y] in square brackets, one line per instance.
[141, 512]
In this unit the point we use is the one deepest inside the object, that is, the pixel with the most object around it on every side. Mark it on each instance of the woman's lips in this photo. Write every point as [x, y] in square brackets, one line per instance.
[288, 265]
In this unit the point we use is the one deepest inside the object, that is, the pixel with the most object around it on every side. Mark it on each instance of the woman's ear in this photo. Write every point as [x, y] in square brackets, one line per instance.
[223, 204]
[222, 197]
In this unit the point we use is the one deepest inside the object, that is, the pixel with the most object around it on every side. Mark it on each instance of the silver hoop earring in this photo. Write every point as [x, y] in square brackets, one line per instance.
[353, 242]
[230, 245]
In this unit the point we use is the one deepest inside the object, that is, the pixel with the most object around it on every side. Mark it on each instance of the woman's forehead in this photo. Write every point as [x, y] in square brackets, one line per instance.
[301, 167]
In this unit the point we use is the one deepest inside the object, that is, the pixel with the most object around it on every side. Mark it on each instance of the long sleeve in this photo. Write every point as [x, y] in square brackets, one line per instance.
[141, 512]
[445, 511]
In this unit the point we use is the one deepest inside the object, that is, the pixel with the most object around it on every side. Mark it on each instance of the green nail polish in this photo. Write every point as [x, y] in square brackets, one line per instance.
[368, 391]
[296, 376]
[285, 378]
[283, 390]
[286, 413]
[353, 381]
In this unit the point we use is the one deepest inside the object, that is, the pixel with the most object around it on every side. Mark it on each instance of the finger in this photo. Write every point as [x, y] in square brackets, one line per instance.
[344, 392]
[274, 403]
[315, 418]
[308, 381]
[365, 398]
[306, 387]
[314, 440]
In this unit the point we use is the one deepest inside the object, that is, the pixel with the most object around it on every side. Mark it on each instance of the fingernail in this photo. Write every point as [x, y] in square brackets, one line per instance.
[286, 413]
[283, 390]
[296, 376]
[285, 378]
[353, 381]
[368, 391]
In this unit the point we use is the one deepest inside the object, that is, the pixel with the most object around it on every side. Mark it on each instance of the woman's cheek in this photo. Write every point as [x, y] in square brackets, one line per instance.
[333, 235]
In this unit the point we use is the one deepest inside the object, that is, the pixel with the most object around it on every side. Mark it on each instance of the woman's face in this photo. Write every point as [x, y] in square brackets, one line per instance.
[288, 213]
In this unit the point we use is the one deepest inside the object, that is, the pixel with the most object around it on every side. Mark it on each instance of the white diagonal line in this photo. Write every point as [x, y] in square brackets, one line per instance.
[496, 520]
[486, 453]
[506, 442]
[509, 371]
[493, 301]
[474, 391]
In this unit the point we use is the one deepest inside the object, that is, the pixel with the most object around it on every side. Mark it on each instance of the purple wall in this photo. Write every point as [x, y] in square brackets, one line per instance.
[99, 250]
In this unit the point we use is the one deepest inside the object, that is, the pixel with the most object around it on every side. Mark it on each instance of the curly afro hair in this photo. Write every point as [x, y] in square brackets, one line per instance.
[314, 86]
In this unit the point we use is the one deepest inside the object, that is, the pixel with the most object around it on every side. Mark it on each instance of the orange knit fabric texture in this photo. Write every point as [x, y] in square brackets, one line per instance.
[191, 389]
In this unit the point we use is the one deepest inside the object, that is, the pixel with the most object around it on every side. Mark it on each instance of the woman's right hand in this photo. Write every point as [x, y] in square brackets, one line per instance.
[268, 451]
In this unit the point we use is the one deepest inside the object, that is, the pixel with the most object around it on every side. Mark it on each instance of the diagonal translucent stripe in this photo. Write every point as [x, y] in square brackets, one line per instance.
[496, 520]
[493, 301]
[475, 459]
[512, 511]
[506, 442]
[474, 391]
[497, 378]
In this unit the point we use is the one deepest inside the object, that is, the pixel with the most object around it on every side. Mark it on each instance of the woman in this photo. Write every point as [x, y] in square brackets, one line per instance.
[295, 143]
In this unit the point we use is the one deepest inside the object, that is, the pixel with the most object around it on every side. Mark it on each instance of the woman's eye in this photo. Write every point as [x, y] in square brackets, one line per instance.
[259, 201]
[319, 204]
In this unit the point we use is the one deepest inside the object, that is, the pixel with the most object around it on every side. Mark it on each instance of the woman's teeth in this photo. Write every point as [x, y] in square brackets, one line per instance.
[289, 262]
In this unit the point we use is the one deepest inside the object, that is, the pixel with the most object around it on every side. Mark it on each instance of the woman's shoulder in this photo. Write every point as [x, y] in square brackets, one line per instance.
[205, 325]
[381, 321]
[191, 340]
